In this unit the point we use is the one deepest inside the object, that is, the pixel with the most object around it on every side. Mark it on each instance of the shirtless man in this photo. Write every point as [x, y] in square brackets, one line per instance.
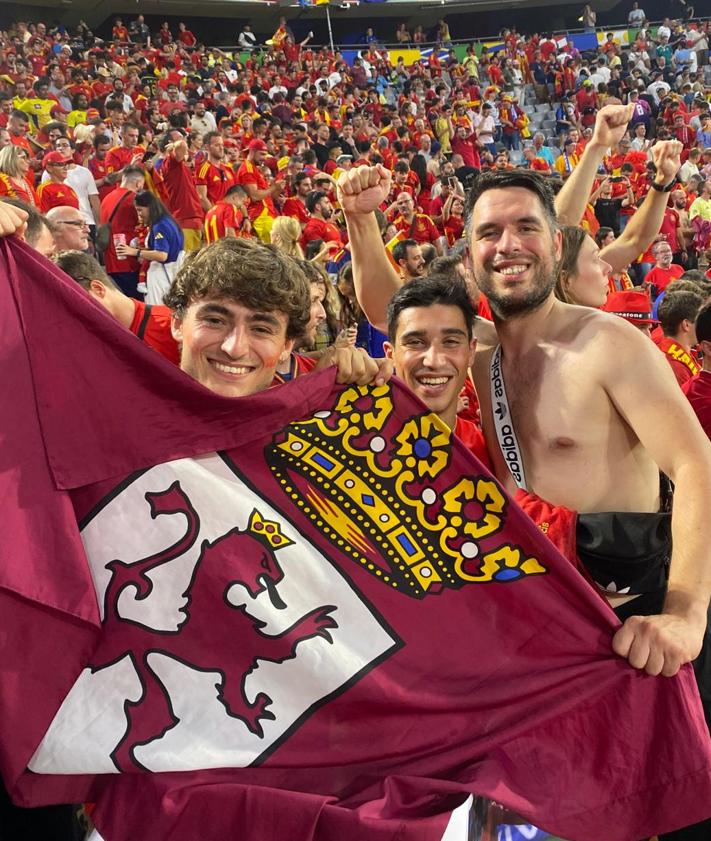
[579, 384]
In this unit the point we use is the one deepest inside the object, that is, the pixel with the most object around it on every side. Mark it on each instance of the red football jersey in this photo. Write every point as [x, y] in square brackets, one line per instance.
[50, 194]
[217, 179]
[220, 217]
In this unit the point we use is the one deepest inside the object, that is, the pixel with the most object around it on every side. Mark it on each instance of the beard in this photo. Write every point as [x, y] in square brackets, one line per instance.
[506, 304]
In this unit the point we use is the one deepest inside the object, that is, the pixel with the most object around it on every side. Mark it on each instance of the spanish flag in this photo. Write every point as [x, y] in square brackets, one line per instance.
[399, 237]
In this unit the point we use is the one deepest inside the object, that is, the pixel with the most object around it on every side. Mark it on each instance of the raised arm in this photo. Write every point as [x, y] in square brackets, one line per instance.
[610, 125]
[646, 222]
[648, 397]
[360, 192]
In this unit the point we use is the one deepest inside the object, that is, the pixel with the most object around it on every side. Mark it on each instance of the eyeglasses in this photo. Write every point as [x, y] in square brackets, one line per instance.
[78, 223]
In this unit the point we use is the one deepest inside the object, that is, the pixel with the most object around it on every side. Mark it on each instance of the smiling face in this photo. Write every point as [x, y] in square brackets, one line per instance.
[229, 348]
[513, 250]
[432, 353]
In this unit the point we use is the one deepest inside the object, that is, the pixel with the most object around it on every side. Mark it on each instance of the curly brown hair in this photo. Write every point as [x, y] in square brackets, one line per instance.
[254, 274]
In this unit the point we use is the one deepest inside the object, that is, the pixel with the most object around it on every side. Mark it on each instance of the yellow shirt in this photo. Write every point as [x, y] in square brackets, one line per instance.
[37, 109]
[565, 164]
[700, 207]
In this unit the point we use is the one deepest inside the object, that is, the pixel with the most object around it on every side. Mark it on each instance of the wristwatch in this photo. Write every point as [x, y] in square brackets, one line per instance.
[662, 188]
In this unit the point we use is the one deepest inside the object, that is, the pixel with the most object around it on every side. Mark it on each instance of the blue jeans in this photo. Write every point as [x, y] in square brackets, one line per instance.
[512, 141]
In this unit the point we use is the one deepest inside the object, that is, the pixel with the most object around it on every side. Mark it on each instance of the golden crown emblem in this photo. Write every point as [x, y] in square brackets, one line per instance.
[380, 491]
[268, 531]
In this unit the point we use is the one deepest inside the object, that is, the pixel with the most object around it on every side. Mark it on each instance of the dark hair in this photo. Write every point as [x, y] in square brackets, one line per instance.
[301, 176]
[84, 268]
[35, 220]
[703, 323]
[156, 209]
[502, 180]
[400, 249]
[254, 274]
[447, 265]
[418, 165]
[313, 198]
[236, 190]
[677, 306]
[426, 292]
[602, 233]
[131, 170]
[313, 247]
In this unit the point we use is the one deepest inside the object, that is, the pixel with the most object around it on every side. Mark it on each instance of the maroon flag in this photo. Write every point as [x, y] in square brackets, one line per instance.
[308, 613]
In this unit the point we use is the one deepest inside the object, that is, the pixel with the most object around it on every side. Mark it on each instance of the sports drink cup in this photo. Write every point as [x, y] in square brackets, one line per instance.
[119, 239]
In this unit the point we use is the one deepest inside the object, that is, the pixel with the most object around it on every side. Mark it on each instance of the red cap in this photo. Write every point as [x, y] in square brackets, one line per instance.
[54, 158]
[634, 307]
[257, 146]
[93, 114]
[57, 109]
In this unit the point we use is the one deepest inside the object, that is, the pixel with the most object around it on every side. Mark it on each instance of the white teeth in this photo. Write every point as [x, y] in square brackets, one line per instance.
[230, 369]
[433, 380]
[511, 270]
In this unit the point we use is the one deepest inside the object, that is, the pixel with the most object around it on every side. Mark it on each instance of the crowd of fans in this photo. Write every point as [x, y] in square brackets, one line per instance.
[141, 151]
[144, 148]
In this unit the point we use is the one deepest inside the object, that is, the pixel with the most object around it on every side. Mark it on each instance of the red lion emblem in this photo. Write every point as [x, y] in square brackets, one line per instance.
[215, 636]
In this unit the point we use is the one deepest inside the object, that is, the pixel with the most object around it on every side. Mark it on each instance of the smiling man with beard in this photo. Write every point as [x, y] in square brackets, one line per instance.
[593, 415]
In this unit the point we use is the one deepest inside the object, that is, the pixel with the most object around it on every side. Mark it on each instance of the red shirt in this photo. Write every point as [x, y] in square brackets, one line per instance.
[298, 366]
[698, 390]
[50, 194]
[17, 189]
[187, 38]
[220, 217]
[124, 222]
[453, 229]
[217, 179]
[422, 229]
[471, 436]
[661, 278]
[98, 170]
[320, 229]
[180, 193]
[249, 174]
[119, 157]
[155, 330]
[296, 208]
[681, 361]
[670, 223]
[467, 148]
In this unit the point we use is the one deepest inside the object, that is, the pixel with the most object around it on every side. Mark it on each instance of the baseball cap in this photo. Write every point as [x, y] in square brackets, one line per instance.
[54, 158]
[341, 159]
[257, 146]
[634, 307]
[57, 109]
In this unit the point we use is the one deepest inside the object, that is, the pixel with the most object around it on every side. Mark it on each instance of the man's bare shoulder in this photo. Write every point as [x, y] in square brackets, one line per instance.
[583, 328]
[485, 334]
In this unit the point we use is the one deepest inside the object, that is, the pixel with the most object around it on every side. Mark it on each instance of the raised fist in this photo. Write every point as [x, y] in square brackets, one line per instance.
[363, 189]
[666, 156]
[611, 124]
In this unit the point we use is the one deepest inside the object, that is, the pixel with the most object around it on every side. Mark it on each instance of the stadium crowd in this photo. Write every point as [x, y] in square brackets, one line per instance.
[145, 149]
